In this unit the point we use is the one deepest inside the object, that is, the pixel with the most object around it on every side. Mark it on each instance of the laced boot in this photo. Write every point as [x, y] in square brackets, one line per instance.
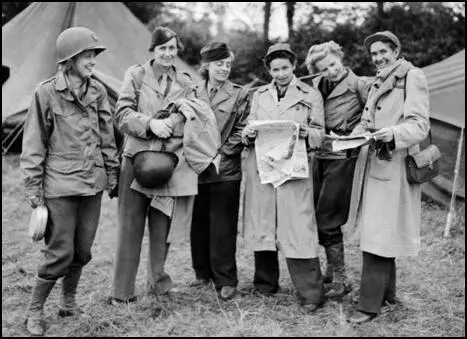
[68, 305]
[35, 322]
[339, 286]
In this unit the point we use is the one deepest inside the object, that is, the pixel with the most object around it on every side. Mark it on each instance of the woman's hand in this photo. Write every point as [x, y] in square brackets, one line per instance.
[161, 128]
[249, 134]
[303, 131]
[384, 134]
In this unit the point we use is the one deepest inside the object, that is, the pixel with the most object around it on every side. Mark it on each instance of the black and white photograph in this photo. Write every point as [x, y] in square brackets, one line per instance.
[233, 169]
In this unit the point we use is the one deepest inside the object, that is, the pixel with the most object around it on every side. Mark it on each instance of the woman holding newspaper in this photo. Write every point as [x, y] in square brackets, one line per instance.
[344, 96]
[277, 212]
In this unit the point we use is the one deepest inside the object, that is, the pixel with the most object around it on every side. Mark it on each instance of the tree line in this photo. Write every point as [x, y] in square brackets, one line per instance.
[429, 31]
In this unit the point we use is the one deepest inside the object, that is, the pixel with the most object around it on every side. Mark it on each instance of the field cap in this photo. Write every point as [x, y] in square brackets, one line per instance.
[384, 36]
[215, 51]
[161, 35]
[285, 47]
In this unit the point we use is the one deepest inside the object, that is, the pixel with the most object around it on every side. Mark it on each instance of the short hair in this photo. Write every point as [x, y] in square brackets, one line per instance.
[319, 52]
[279, 55]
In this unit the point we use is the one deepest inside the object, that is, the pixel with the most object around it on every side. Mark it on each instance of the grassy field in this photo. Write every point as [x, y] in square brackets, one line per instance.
[431, 287]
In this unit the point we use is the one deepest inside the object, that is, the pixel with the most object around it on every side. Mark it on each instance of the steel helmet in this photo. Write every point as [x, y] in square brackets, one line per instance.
[75, 40]
[153, 168]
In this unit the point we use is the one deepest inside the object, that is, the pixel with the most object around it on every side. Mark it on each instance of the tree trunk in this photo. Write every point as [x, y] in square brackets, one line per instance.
[267, 18]
[290, 15]
[381, 12]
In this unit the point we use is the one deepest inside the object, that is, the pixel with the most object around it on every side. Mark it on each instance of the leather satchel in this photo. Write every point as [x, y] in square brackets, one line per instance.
[424, 165]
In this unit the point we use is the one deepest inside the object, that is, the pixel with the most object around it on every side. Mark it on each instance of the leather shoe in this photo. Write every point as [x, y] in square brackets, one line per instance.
[359, 317]
[62, 313]
[227, 292]
[311, 308]
[336, 290]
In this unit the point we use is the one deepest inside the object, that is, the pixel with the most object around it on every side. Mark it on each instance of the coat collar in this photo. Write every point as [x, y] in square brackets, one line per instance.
[388, 83]
[295, 93]
[61, 85]
[156, 72]
[224, 92]
[346, 83]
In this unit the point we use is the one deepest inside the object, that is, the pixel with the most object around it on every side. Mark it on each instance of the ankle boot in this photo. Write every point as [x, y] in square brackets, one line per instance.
[335, 257]
[35, 322]
[68, 305]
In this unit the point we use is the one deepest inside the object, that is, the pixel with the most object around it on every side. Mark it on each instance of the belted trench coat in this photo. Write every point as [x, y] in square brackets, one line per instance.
[388, 213]
[282, 218]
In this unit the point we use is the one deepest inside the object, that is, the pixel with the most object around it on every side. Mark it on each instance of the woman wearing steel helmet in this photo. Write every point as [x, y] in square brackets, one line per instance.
[68, 159]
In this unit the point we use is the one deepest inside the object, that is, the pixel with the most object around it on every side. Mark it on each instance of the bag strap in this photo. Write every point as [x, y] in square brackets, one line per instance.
[405, 97]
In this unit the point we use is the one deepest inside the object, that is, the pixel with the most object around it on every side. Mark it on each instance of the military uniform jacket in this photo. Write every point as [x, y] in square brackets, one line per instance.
[231, 107]
[140, 98]
[68, 144]
[343, 108]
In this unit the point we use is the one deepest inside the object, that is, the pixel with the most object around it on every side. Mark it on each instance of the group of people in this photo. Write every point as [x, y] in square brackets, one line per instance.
[70, 157]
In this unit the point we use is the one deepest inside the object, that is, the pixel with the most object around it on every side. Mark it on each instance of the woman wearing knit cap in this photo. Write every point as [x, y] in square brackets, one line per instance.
[144, 114]
[344, 96]
[215, 215]
[390, 207]
[283, 217]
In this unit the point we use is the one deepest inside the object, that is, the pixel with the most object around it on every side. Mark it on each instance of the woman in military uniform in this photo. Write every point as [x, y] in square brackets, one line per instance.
[147, 91]
[284, 218]
[69, 158]
[215, 215]
[344, 96]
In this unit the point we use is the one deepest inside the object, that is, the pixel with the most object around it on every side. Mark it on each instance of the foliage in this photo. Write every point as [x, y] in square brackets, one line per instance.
[429, 32]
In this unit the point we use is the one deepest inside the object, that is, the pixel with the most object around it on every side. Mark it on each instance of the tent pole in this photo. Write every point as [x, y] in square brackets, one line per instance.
[452, 212]
[11, 138]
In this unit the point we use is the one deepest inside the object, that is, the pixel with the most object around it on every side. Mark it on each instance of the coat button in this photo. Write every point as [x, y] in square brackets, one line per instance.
[366, 108]
[378, 108]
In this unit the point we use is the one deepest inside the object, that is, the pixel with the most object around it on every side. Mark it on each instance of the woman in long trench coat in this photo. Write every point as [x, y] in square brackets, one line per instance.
[283, 218]
[390, 207]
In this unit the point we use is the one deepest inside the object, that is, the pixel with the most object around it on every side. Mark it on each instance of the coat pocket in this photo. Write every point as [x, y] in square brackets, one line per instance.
[381, 169]
[64, 163]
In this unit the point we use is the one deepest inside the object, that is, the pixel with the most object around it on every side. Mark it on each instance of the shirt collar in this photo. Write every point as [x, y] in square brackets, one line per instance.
[159, 71]
[62, 84]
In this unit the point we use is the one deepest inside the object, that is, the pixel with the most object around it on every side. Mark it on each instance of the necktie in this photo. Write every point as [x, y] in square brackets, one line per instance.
[212, 93]
[165, 83]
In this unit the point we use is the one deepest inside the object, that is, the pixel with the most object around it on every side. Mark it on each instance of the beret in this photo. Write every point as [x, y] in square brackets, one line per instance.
[214, 51]
[161, 35]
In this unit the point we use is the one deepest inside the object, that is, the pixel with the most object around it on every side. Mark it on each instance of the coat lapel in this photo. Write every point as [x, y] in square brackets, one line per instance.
[342, 86]
[151, 81]
[223, 93]
[292, 96]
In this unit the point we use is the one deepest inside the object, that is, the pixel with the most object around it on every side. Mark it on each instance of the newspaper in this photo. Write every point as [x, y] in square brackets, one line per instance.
[280, 153]
[339, 142]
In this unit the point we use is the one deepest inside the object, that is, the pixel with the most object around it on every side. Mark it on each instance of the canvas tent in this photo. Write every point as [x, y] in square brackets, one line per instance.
[446, 82]
[28, 50]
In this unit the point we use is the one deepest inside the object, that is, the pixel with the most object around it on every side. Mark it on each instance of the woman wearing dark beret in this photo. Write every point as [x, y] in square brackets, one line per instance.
[215, 215]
